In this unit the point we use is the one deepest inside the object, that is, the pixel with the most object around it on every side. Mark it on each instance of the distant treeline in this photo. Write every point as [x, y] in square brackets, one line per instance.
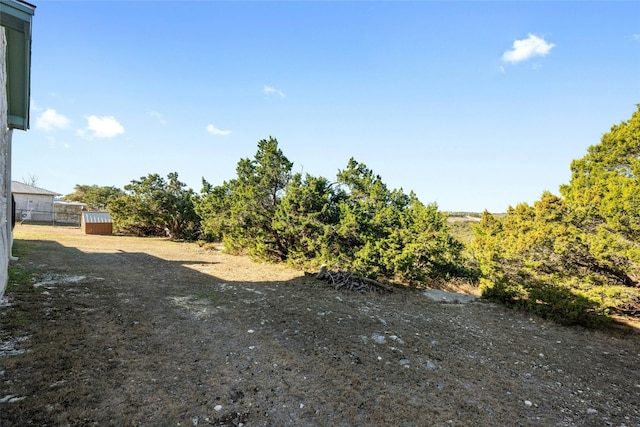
[464, 214]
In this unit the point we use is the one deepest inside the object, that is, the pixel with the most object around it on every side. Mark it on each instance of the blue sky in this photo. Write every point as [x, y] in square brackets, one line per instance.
[472, 105]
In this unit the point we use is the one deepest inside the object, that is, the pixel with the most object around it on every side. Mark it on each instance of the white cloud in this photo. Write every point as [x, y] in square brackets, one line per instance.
[269, 90]
[158, 116]
[215, 131]
[635, 37]
[528, 48]
[50, 120]
[34, 106]
[103, 127]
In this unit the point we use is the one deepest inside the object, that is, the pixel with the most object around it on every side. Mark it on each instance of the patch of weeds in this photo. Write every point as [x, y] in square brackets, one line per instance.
[18, 278]
[21, 248]
[21, 296]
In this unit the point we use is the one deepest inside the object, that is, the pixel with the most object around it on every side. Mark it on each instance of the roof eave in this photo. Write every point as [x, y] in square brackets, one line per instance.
[16, 18]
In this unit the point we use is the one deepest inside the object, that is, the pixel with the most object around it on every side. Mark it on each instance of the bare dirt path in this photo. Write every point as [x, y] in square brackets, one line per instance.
[125, 332]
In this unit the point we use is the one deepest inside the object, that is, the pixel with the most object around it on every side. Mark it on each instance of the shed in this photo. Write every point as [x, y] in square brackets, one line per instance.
[96, 223]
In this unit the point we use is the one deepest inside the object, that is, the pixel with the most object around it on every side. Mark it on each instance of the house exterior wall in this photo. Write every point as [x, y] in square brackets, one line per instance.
[15, 75]
[34, 207]
[4, 141]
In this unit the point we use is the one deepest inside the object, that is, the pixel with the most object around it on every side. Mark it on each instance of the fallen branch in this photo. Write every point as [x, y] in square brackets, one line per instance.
[351, 281]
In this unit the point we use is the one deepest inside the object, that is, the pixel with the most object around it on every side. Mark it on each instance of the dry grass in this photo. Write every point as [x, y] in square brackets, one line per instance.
[163, 333]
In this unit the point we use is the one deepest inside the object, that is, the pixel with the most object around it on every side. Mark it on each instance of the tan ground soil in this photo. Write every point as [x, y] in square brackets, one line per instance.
[146, 332]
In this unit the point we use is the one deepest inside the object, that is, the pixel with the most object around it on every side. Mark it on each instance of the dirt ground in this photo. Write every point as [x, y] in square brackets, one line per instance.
[121, 331]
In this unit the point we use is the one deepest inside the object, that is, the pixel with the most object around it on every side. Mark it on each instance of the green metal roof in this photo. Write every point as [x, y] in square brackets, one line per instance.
[16, 17]
[96, 217]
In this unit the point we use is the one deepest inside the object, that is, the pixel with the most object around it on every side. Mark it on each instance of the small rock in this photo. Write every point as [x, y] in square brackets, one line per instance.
[379, 339]
[592, 411]
[11, 399]
[217, 407]
[396, 338]
[528, 403]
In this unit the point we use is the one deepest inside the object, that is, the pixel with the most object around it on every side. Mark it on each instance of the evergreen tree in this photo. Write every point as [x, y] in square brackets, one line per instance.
[247, 204]
[96, 198]
[388, 234]
[153, 205]
[214, 208]
[305, 217]
[577, 258]
[355, 223]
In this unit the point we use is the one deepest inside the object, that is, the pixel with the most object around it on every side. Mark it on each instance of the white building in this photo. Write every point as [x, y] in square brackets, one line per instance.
[33, 203]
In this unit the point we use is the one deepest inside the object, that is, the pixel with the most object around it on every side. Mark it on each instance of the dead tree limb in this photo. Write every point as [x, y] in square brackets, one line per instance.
[351, 281]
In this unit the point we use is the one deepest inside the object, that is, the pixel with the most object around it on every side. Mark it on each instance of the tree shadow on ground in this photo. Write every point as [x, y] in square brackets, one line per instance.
[127, 338]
